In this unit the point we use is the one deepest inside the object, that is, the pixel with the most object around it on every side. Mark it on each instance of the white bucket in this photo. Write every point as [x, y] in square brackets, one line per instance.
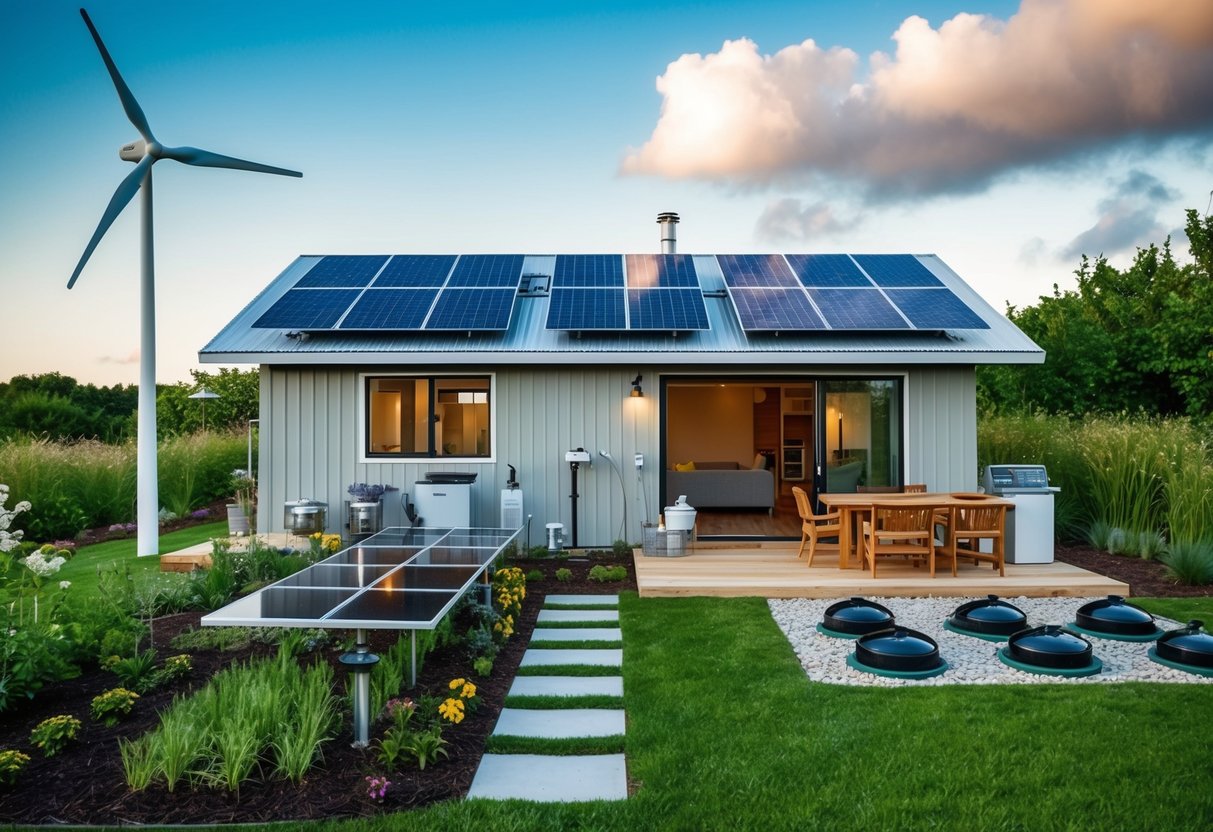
[680, 517]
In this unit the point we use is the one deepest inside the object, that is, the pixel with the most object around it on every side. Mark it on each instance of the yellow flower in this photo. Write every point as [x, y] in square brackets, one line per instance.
[456, 683]
[451, 710]
[469, 690]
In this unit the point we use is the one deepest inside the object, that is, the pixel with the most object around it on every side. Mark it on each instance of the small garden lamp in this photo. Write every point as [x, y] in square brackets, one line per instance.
[204, 394]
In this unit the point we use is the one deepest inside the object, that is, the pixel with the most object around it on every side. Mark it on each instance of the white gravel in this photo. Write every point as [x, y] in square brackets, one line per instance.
[972, 661]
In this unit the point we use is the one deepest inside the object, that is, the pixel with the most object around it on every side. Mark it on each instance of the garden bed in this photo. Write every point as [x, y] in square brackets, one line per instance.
[1146, 578]
[84, 783]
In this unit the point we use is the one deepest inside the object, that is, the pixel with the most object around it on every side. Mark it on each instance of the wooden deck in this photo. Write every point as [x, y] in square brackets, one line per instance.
[772, 570]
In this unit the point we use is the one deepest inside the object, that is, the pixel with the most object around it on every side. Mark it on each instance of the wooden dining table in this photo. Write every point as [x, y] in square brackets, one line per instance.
[850, 505]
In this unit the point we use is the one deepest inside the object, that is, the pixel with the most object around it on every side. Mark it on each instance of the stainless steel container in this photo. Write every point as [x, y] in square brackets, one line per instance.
[364, 518]
[305, 517]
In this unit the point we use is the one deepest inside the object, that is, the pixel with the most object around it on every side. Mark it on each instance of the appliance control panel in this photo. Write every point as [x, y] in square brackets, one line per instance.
[1016, 477]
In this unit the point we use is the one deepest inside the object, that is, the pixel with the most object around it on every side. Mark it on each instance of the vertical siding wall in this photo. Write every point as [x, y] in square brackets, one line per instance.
[310, 447]
[941, 428]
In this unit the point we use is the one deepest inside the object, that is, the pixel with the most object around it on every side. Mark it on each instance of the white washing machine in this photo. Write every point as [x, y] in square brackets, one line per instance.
[1030, 531]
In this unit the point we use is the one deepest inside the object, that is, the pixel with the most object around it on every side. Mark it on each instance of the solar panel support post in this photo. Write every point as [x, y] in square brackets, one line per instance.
[359, 663]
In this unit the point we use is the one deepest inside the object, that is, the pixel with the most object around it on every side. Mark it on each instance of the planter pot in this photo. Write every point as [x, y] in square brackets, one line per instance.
[237, 520]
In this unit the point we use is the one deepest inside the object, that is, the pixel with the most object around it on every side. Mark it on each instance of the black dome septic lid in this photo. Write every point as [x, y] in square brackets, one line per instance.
[1050, 646]
[989, 616]
[1189, 645]
[1115, 616]
[898, 648]
[857, 617]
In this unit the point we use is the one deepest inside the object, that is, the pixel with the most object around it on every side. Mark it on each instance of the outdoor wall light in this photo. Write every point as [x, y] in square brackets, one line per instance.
[637, 393]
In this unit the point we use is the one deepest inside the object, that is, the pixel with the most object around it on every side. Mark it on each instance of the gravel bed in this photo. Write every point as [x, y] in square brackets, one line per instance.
[971, 661]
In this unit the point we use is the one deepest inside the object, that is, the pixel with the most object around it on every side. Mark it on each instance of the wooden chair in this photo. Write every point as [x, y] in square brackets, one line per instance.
[899, 529]
[914, 488]
[813, 527]
[877, 489]
[977, 523]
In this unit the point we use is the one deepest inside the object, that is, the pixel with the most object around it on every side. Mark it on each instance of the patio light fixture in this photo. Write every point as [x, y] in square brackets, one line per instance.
[637, 393]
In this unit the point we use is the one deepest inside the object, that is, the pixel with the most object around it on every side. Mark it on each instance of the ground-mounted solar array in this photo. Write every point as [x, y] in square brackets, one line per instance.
[617, 293]
[398, 579]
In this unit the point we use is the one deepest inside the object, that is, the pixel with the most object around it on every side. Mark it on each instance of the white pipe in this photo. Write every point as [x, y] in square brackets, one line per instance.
[148, 502]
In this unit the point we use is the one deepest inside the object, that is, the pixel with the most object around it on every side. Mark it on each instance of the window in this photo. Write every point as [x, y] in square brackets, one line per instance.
[428, 417]
[862, 433]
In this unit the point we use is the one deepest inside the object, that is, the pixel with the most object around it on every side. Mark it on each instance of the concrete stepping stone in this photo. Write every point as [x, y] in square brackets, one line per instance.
[550, 779]
[584, 600]
[568, 723]
[534, 657]
[548, 616]
[577, 634]
[567, 686]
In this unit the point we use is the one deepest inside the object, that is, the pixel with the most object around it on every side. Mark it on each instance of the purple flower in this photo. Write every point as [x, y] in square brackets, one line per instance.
[201, 513]
[376, 787]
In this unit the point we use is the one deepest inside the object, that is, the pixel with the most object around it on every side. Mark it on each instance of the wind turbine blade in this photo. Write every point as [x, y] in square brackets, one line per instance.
[133, 111]
[206, 159]
[126, 191]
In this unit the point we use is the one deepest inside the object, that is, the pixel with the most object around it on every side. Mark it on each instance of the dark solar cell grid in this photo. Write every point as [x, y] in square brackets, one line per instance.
[390, 309]
[661, 271]
[756, 270]
[307, 309]
[670, 309]
[578, 309]
[765, 310]
[472, 309]
[827, 270]
[936, 309]
[588, 271]
[857, 309]
[896, 270]
[415, 271]
[342, 270]
[487, 270]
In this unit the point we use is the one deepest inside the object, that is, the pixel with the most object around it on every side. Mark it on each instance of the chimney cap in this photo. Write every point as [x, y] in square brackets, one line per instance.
[667, 216]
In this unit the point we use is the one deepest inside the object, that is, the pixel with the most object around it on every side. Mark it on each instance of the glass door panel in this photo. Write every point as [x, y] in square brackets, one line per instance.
[860, 429]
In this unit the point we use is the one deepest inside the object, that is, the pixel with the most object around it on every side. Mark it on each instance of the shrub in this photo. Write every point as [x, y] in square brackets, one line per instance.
[54, 733]
[137, 672]
[12, 763]
[1190, 563]
[427, 746]
[480, 643]
[33, 656]
[564, 575]
[483, 666]
[535, 575]
[602, 573]
[111, 706]
[174, 668]
[622, 548]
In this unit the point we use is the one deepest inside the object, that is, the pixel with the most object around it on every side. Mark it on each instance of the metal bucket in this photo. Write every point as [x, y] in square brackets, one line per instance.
[304, 517]
[364, 518]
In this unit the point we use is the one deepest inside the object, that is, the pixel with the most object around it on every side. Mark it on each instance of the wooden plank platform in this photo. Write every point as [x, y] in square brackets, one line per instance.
[772, 570]
[198, 556]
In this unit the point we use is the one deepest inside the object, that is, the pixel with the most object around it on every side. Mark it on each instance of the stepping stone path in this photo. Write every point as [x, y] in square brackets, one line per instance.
[562, 778]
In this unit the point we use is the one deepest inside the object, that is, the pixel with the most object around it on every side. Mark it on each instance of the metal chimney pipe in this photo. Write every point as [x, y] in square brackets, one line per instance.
[668, 221]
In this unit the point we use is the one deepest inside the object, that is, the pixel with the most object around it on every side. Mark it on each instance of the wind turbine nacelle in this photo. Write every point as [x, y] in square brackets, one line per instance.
[133, 152]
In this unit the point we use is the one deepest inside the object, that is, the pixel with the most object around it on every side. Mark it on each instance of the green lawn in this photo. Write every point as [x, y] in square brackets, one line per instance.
[1182, 610]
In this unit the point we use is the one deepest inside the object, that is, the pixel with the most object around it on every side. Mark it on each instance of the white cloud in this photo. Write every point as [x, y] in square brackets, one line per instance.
[131, 357]
[1128, 218]
[790, 220]
[950, 110]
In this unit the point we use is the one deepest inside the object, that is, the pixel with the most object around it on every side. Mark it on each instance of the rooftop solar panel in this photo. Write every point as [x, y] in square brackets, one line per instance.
[827, 270]
[896, 270]
[670, 309]
[342, 271]
[587, 309]
[487, 270]
[472, 309]
[390, 309]
[936, 309]
[415, 271]
[307, 309]
[588, 271]
[857, 309]
[661, 271]
[768, 310]
[756, 270]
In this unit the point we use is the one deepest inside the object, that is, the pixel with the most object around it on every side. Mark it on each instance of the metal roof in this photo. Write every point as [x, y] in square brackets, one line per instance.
[528, 340]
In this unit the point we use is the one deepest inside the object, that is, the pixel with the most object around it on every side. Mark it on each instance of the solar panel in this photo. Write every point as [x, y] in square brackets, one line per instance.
[487, 270]
[587, 309]
[766, 310]
[936, 309]
[390, 309]
[857, 309]
[415, 271]
[756, 270]
[672, 309]
[661, 271]
[588, 271]
[472, 309]
[827, 270]
[342, 271]
[896, 270]
[307, 309]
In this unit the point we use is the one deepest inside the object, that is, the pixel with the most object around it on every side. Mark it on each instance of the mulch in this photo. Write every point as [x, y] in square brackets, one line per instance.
[84, 783]
[1146, 578]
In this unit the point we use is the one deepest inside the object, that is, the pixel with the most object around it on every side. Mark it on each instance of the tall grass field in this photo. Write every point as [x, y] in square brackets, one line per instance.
[85, 484]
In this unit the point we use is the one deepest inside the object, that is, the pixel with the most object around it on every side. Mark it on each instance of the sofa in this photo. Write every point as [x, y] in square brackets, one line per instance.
[722, 485]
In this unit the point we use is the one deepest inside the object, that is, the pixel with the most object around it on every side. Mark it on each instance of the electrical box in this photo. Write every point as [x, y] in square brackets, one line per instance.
[578, 455]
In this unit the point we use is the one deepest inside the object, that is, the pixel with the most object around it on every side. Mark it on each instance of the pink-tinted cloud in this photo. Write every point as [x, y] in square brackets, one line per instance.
[790, 220]
[130, 358]
[952, 108]
[1128, 218]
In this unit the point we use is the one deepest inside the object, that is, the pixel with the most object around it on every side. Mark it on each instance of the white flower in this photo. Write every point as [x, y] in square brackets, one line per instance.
[41, 566]
[64, 584]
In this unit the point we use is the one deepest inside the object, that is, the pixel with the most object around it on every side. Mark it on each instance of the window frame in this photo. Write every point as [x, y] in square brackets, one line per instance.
[366, 456]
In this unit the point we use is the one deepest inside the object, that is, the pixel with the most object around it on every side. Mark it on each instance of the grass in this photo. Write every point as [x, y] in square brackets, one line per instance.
[556, 703]
[567, 670]
[497, 744]
[1182, 610]
[575, 625]
[577, 645]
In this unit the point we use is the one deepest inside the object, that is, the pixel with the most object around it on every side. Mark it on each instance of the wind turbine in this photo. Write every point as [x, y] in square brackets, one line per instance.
[144, 153]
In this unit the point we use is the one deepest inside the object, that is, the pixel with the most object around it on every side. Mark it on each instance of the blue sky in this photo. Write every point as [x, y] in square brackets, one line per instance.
[539, 128]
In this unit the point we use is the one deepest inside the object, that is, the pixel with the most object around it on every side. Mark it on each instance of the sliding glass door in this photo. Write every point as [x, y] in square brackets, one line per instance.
[859, 434]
